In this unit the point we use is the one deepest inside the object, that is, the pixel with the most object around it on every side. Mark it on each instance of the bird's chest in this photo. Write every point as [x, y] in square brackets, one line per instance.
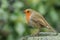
[28, 17]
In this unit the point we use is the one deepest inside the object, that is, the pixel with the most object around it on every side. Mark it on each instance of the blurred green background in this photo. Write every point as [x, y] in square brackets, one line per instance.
[12, 18]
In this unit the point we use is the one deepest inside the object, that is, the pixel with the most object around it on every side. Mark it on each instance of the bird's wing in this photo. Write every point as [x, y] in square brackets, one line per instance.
[37, 18]
[40, 20]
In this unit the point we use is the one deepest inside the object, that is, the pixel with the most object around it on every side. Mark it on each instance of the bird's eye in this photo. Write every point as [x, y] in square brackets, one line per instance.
[28, 11]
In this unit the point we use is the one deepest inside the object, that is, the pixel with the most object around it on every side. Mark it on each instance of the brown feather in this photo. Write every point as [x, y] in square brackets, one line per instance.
[39, 20]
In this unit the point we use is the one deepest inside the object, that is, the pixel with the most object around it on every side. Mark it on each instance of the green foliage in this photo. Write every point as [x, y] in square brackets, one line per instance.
[11, 12]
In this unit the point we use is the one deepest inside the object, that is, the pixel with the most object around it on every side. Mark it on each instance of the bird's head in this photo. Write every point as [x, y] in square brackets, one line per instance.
[28, 13]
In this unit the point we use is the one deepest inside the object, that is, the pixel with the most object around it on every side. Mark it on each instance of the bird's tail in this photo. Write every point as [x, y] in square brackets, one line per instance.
[50, 27]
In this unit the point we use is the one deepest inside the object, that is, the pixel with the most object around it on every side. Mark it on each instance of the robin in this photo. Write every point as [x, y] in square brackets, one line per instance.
[35, 19]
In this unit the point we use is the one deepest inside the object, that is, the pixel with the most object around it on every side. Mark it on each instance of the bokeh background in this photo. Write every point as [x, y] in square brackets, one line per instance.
[12, 18]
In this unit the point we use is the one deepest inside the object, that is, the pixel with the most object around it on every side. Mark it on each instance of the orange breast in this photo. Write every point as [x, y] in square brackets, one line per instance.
[28, 17]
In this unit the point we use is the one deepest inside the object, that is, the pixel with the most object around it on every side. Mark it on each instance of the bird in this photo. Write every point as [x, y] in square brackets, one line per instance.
[36, 20]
